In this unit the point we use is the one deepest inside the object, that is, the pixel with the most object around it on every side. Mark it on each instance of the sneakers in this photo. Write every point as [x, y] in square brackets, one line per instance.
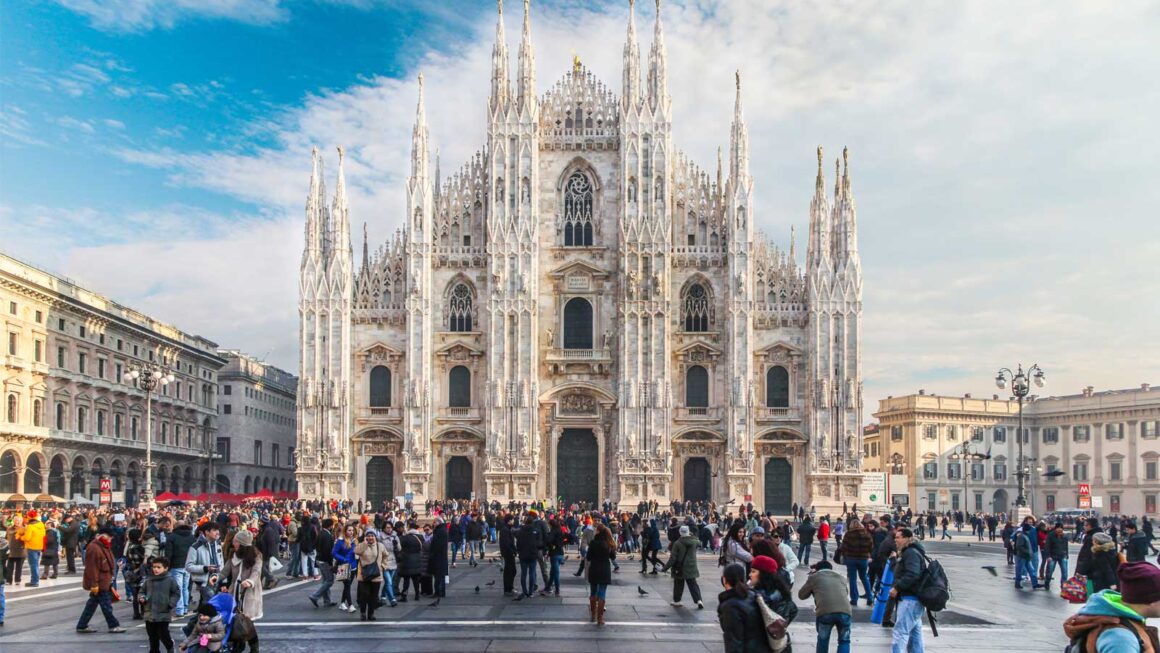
[314, 600]
[343, 606]
[700, 605]
[676, 604]
[118, 629]
[86, 631]
[350, 608]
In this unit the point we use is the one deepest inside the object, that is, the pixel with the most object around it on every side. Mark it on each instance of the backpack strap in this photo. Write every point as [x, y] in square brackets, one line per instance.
[1093, 635]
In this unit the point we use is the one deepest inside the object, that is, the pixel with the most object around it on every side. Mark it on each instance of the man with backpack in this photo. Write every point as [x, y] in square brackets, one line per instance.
[908, 575]
[1114, 622]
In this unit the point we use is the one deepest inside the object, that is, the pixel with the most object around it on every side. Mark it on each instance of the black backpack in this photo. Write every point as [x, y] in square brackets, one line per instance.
[933, 589]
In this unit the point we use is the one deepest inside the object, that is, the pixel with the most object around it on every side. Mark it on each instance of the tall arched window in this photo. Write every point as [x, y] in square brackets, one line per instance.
[777, 387]
[459, 309]
[459, 387]
[578, 211]
[578, 324]
[37, 412]
[380, 387]
[11, 409]
[60, 416]
[697, 387]
[695, 308]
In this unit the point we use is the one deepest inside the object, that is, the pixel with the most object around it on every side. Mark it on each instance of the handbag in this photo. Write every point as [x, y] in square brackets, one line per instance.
[1074, 589]
[775, 626]
[242, 628]
[343, 572]
[276, 565]
[371, 571]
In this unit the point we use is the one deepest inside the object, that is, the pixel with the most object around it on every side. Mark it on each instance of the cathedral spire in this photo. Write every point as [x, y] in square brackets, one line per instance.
[658, 76]
[720, 189]
[438, 179]
[500, 85]
[739, 139]
[526, 90]
[340, 212]
[631, 92]
[419, 159]
[793, 245]
[818, 254]
[366, 254]
[846, 218]
[314, 202]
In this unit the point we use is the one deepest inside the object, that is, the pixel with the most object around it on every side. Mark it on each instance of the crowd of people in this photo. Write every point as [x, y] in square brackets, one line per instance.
[206, 567]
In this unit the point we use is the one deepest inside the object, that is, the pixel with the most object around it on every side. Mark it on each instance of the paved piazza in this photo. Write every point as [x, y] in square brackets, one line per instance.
[986, 614]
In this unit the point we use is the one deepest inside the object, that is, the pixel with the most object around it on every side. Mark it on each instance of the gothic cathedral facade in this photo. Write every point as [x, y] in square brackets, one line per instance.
[581, 312]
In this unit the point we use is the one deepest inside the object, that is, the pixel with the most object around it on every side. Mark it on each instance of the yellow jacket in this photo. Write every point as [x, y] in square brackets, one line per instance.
[34, 536]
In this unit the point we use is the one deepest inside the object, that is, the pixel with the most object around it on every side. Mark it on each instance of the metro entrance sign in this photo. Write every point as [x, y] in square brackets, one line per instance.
[1085, 489]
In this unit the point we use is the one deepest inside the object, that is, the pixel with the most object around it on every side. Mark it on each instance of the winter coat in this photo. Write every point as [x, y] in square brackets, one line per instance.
[391, 544]
[268, 540]
[437, 564]
[1057, 546]
[69, 532]
[308, 538]
[410, 560]
[1084, 559]
[161, 594]
[343, 553]
[735, 552]
[51, 547]
[368, 554]
[600, 557]
[1104, 618]
[236, 572]
[778, 602]
[806, 533]
[325, 547]
[830, 590]
[528, 542]
[1104, 564]
[215, 629]
[741, 626]
[908, 570]
[177, 545]
[1023, 546]
[1136, 548]
[683, 560]
[99, 566]
[203, 553]
[857, 544]
[33, 535]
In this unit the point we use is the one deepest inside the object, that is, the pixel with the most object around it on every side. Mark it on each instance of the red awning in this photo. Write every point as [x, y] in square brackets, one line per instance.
[166, 496]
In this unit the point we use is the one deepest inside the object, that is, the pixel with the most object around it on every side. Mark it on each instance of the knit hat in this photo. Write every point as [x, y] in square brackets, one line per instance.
[243, 538]
[1101, 538]
[684, 530]
[1139, 582]
[207, 609]
[765, 563]
[32, 514]
[759, 531]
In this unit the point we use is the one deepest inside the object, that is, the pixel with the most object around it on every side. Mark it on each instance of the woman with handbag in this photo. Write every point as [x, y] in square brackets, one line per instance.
[767, 583]
[345, 561]
[243, 572]
[601, 554]
[737, 611]
[372, 560]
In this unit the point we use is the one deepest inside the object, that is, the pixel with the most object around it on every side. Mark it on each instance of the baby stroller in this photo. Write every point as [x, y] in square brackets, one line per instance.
[226, 606]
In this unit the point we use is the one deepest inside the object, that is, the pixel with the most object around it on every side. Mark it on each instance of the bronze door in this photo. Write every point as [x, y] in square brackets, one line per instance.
[380, 480]
[459, 478]
[697, 479]
[577, 467]
[778, 486]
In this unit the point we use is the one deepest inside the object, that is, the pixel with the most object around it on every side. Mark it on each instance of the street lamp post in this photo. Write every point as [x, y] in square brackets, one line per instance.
[148, 377]
[1021, 386]
[967, 454]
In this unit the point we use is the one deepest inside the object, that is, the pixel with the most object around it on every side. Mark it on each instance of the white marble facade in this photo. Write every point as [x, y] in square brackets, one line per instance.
[580, 310]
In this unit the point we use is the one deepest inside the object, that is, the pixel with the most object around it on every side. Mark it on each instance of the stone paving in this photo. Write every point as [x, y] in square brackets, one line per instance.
[986, 614]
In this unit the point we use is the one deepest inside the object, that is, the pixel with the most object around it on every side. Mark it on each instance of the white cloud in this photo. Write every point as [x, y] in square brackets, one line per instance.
[144, 15]
[1000, 156]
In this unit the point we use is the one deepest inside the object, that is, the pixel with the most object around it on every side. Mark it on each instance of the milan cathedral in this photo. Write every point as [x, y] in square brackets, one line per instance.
[581, 312]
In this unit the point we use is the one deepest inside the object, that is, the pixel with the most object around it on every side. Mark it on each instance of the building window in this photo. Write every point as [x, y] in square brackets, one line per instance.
[101, 367]
[1149, 503]
[930, 432]
[82, 330]
[459, 308]
[695, 308]
[1114, 431]
[60, 357]
[81, 419]
[459, 387]
[119, 376]
[39, 317]
[1081, 433]
[1048, 469]
[1114, 470]
[578, 211]
[37, 412]
[227, 409]
[11, 343]
[1000, 434]
[82, 359]
[1000, 471]
[380, 386]
[1026, 433]
[977, 433]
[11, 409]
[100, 422]
[697, 387]
[1149, 429]
[977, 471]
[164, 438]
[12, 307]
[896, 433]
[954, 472]
[134, 423]
[60, 324]
[227, 389]
[1115, 501]
[1079, 472]
[1049, 501]
[578, 324]
[1150, 470]
[120, 344]
[955, 501]
[118, 424]
[952, 432]
[38, 351]
[258, 452]
[60, 416]
[777, 387]
[223, 449]
[274, 458]
[930, 471]
[1050, 435]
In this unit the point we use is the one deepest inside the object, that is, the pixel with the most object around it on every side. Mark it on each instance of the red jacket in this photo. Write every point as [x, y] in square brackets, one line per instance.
[824, 531]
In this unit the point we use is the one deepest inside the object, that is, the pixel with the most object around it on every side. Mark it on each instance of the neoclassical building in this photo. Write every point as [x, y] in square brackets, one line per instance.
[70, 420]
[582, 311]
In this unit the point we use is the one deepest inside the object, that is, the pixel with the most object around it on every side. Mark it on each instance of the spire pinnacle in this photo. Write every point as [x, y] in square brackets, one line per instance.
[500, 86]
[366, 254]
[793, 244]
[846, 169]
[821, 178]
[739, 139]
[339, 213]
[419, 137]
[837, 177]
[526, 87]
[631, 76]
[658, 76]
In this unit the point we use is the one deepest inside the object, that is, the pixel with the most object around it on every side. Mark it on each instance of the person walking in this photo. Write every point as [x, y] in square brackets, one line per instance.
[856, 549]
[806, 531]
[372, 560]
[410, 560]
[292, 528]
[586, 535]
[601, 554]
[507, 554]
[682, 564]
[308, 545]
[650, 545]
[325, 564]
[766, 581]
[1104, 563]
[945, 523]
[1056, 555]
[1136, 543]
[741, 626]
[390, 542]
[437, 560]
[158, 599]
[346, 561]
[735, 548]
[555, 549]
[829, 591]
[527, 548]
[242, 574]
[269, 540]
[824, 536]
[50, 560]
[907, 634]
[1025, 543]
[176, 550]
[204, 561]
[33, 538]
[100, 567]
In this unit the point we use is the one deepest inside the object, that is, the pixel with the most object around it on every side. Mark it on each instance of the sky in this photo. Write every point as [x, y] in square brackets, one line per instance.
[1002, 154]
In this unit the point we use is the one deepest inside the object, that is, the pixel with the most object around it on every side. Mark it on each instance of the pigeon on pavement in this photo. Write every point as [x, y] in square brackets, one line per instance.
[641, 591]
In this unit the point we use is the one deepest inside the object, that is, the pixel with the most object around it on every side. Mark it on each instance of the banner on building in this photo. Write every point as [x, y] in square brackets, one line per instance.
[875, 490]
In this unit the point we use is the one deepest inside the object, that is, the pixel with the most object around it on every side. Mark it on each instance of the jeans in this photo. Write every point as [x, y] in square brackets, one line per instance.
[1051, 563]
[309, 567]
[456, 545]
[509, 573]
[389, 585]
[528, 576]
[3, 603]
[34, 566]
[323, 591]
[908, 627]
[105, 601]
[825, 624]
[822, 545]
[295, 560]
[158, 632]
[803, 553]
[597, 591]
[181, 577]
[1024, 566]
[679, 589]
[858, 569]
[554, 574]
